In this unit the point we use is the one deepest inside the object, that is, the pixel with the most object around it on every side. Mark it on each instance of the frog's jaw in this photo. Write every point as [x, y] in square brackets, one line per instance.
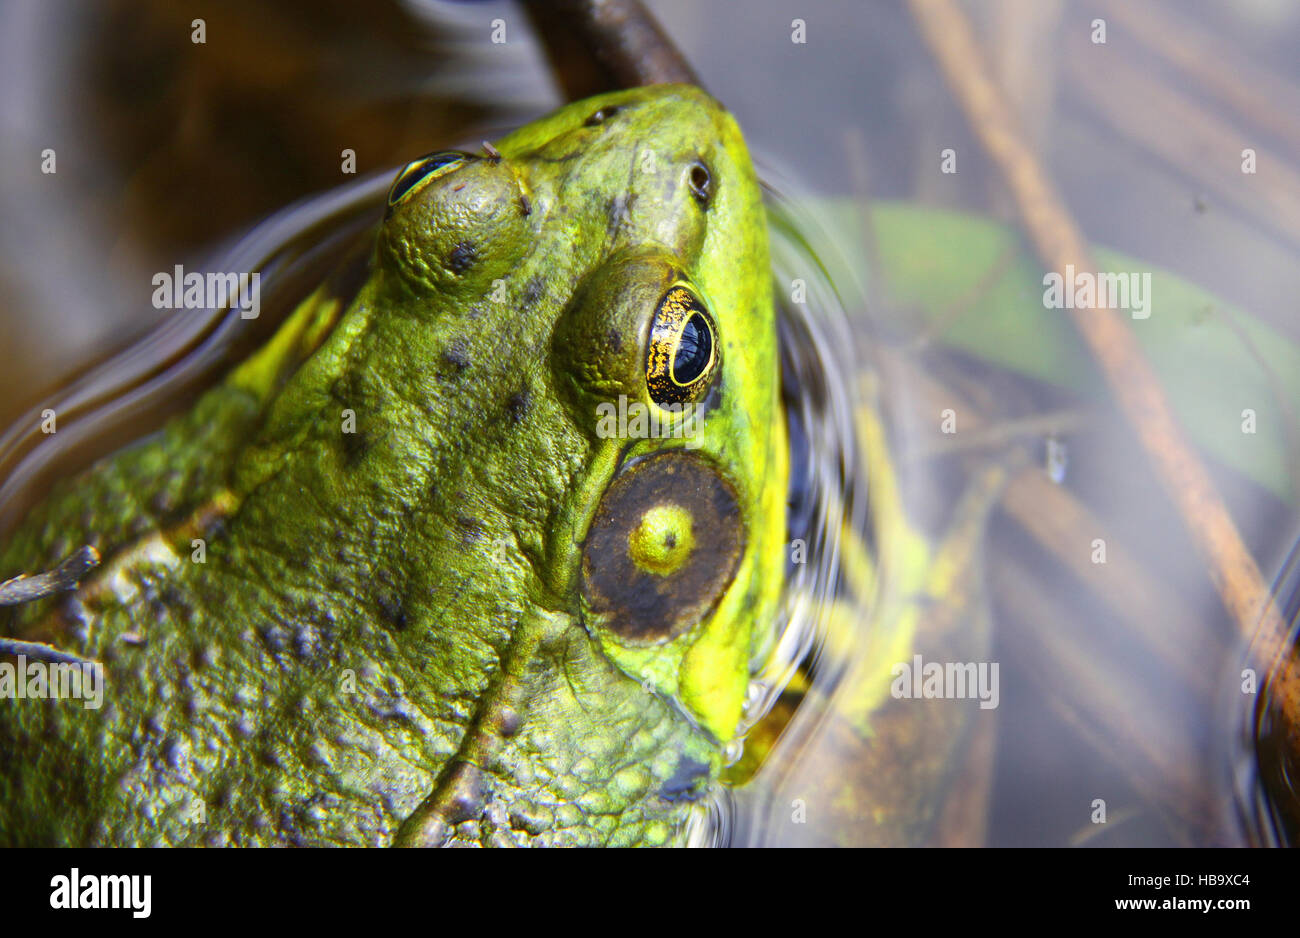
[564, 749]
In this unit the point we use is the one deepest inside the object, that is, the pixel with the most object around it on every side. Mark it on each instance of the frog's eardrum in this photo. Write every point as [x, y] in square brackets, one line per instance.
[640, 604]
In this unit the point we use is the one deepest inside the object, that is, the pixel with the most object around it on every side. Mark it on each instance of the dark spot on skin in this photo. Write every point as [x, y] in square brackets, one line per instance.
[347, 389]
[471, 529]
[517, 406]
[392, 608]
[533, 291]
[670, 541]
[287, 828]
[507, 721]
[619, 208]
[462, 256]
[614, 338]
[355, 447]
[173, 752]
[456, 359]
[274, 638]
[460, 797]
[177, 601]
[685, 779]
[525, 206]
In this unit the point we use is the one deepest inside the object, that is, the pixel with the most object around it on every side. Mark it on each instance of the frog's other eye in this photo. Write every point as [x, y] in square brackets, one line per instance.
[599, 117]
[683, 354]
[700, 181]
[417, 174]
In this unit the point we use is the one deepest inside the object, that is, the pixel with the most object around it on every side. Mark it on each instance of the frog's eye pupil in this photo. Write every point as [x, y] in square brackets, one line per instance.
[701, 183]
[694, 350]
[416, 174]
[683, 354]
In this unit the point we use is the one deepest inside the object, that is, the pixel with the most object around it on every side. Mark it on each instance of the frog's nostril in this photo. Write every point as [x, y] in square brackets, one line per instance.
[701, 182]
[599, 117]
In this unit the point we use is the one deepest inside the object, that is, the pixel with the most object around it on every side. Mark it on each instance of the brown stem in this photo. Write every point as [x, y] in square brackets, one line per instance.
[600, 45]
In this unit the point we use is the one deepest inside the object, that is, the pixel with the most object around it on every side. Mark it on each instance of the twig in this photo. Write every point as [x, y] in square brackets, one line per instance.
[26, 588]
[40, 651]
[620, 36]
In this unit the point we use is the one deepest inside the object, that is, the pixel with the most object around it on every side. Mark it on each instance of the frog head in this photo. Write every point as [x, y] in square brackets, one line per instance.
[583, 323]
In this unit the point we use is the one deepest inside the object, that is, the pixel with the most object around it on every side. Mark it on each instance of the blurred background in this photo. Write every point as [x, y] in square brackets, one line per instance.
[1119, 683]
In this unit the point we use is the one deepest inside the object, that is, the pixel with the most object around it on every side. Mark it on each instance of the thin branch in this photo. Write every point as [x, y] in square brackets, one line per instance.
[26, 588]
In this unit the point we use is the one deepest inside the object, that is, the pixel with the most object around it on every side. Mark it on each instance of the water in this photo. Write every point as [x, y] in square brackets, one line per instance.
[1266, 776]
[135, 390]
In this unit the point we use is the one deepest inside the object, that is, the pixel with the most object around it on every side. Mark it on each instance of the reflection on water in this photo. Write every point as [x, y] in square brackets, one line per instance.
[1266, 773]
[827, 492]
[1126, 704]
[319, 240]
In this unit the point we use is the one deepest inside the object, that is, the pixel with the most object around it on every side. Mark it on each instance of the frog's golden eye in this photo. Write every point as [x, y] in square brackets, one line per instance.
[417, 174]
[683, 354]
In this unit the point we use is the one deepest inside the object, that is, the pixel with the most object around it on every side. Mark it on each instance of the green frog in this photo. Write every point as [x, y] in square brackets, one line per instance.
[399, 579]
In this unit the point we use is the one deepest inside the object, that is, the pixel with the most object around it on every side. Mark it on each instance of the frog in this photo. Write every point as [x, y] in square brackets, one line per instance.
[394, 581]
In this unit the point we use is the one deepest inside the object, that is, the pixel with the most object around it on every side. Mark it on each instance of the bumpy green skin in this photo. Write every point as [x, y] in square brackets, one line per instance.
[386, 642]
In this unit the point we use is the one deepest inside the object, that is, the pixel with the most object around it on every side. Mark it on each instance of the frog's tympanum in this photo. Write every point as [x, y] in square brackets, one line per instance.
[394, 581]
